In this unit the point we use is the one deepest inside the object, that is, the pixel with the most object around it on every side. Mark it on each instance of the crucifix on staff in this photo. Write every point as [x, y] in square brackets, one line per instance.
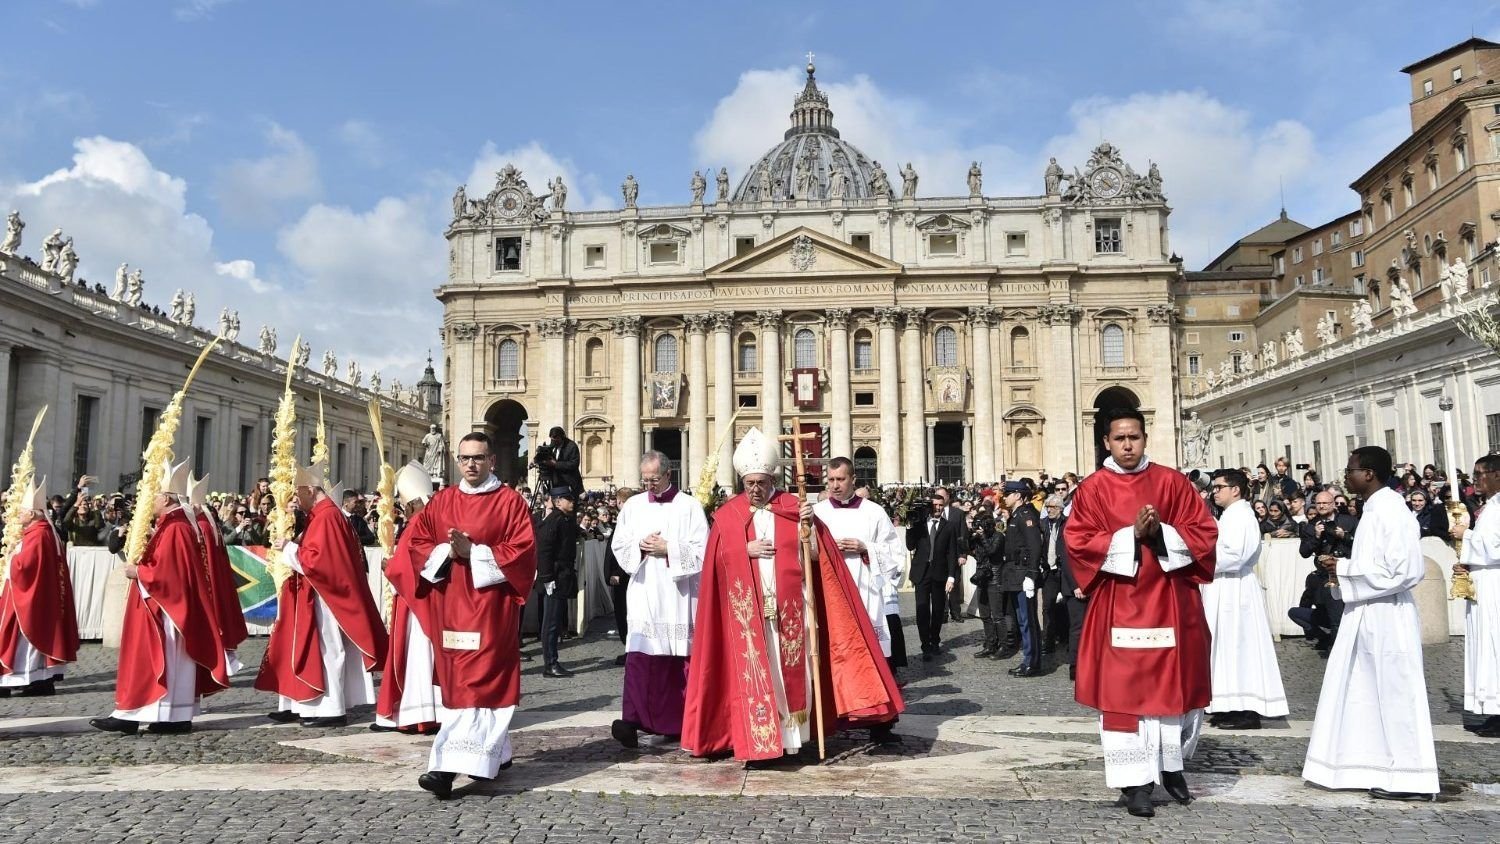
[806, 554]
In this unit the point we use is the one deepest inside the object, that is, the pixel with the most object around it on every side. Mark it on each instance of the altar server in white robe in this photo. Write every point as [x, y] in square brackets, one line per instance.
[873, 552]
[1373, 730]
[1246, 677]
[1481, 559]
[658, 542]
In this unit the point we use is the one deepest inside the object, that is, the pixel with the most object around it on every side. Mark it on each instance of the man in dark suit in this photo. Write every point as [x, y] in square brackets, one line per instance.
[562, 468]
[933, 541]
[355, 512]
[556, 574]
[1074, 600]
[959, 520]
[1327, 533]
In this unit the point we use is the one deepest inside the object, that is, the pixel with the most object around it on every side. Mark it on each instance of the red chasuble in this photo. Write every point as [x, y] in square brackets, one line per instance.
[226, 598]
[731, 705]
[410, 593]
[333, 568]
[1144, 649]
[37, 599]
[176, 579]
[476, 632]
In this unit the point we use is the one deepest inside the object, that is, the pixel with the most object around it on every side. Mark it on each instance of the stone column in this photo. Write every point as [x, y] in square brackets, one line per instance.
[723, 322]
[554, 385]
[913, 404]
[888, 462]
[628, 455]
[841, 432]
[770, 371]
[462, 336]
[1063, 446]
[930, 472]
[697, 361]
[983, 466]
[5, 417]
[1163, 397]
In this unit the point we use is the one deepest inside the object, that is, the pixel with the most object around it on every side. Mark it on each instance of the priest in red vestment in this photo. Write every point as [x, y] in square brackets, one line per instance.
[38, 626]
[1140, 542]
[474, 544]
[408, 699]
[328, 636]
[750, 687]
[170, 650]
[226, 596]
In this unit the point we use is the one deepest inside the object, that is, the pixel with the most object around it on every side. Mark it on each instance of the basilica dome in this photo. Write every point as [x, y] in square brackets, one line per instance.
[812, 161]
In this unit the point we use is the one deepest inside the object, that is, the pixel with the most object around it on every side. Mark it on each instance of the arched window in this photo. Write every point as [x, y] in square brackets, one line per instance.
[864, 350]
[945, 347]
[593, 460]
[666, 354]
[1113, 338]
[508, 361]
[593, 356]
[804, 349]
[1020, 346]
[749, 361]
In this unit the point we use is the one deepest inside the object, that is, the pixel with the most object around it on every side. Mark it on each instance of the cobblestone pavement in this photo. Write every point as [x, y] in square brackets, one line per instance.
[986, 757]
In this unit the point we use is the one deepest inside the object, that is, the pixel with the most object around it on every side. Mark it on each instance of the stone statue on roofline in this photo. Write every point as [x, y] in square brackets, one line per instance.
[699, 187]
[11, 245]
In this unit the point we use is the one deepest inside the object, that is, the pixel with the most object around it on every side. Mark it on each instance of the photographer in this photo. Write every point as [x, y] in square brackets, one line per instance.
[988, 547]
[1326, 534]
[557, 462]
[83, 526]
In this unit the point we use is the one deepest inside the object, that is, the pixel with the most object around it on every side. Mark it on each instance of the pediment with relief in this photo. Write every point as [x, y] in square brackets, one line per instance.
[804, 251]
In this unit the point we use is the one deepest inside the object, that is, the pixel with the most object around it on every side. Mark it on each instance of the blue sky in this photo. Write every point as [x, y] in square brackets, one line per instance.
[294, 160]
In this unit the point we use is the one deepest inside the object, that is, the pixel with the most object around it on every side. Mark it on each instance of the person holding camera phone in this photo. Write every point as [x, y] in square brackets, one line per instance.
[557, 462]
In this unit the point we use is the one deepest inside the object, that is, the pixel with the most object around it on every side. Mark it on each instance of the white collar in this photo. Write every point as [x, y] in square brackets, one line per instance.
[490, 484]
[1110, 464]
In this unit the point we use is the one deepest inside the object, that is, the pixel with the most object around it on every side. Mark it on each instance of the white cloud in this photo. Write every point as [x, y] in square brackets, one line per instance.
[192, 10]
[242, 269]
[890, 129]
[538, 166]
[364, 142]
[257, 190]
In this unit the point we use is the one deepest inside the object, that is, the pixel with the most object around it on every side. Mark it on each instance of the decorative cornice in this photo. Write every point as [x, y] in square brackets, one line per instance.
[463, 332]
[723, 320]
[768, 318]
[626, 326]
[698, 323]
[889, 317]
[837, 318]
[554, 326]
[1161, 314]
[981, 315]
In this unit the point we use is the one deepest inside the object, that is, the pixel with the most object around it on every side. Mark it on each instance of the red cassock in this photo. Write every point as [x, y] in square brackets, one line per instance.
[226, 597]
[37, 599]
[333, 568]
[410, 594]
[1123, 682]
[485, 674]
[731, 704]
[175, 576]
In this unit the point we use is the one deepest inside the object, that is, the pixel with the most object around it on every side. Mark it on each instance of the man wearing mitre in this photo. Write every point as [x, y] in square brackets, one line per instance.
[225, 597]
[38, 627]
[750, 689]
[409, 698]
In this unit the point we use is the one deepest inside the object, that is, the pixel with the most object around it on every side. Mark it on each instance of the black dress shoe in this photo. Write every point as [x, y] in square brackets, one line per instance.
[985, 652]
[170, 727]
[381, 728]
[1006, 652]
[41, 688]
[1176, 785]
[1216, 718]
[1488, 731]
[1407, 796]
[440, 783]
[332, 721]
[626, 733]
[112, 724]
[620, 660]
[1241, 721]
[1027, 671]
[556, 670]
[1138, 801]
[884, 735]
[284, 716]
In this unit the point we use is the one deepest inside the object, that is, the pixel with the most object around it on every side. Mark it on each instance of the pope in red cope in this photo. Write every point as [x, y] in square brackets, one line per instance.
[409, 698]
[38, 626]
[750, 687]
[1140, 542]
[170, 650]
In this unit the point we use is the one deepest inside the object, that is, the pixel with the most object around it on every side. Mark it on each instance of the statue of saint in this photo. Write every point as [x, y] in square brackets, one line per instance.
[1194, 442]
[763, 183]
[234, 327]
[1053, 177]
[976, 180]
[1268, 354]
[353, 372]
[880, 184]
[330, 364]
[434, 446]
[122, 277]
[723, 183]
[135, 290]
[908, 182]
[1362, 316]
[375, 381]
[304, 354]
[224, 322]
[52, 250]
[559, 194]
[630, 190]
[1402, 303]
[67, 262]
[175, 313]
[1327, 333]
[699, 186]
[189, 309]
[836, 182]
[267, 340]
[460, 204]
[13, 226]
[1294, 347]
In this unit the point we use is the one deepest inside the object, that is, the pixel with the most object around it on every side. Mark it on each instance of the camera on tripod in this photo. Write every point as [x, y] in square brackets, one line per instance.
[543, 454]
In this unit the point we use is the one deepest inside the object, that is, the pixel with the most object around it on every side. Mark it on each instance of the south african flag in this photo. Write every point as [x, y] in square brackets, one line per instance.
[256, 588]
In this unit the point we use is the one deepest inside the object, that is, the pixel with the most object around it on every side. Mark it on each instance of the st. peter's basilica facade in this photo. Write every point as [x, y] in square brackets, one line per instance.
[930, 338]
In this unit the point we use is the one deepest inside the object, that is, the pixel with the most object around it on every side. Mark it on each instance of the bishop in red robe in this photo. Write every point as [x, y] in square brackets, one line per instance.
[1140, 542]
[750, 686]
[475, 547]
[409, 699]
[328, 635]
[225, 592]
[38, 625]
[171, 653]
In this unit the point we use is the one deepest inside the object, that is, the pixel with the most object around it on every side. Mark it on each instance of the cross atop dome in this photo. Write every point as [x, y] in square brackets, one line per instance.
[810, 112]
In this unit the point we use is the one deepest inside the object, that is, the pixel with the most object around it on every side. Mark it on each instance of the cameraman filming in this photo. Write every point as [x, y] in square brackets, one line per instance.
[1326, 534]
[557, 462]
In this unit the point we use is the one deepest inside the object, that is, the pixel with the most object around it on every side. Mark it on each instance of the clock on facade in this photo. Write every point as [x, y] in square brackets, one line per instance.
[1107, 182]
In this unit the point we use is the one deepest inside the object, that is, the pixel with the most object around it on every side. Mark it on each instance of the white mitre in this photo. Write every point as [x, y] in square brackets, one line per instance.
[755, 455]
[413, 483]
[311, 476]
[174, 479]
[197, 491]
[36, 495]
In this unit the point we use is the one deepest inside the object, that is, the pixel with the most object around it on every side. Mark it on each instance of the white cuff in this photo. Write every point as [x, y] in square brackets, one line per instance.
[483, 568]
[1120, 558]
[289, 556]
[1177, 550]
[435, 561]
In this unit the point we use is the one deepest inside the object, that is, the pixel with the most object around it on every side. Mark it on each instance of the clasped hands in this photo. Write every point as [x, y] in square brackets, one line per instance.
[653, 545]
[460, 543]
[1147, 523]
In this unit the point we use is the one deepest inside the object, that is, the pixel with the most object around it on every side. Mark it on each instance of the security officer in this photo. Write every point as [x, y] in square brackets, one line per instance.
[1022, 571]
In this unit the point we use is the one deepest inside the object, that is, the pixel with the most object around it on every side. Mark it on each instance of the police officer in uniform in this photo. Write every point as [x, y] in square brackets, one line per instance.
[1022, 571]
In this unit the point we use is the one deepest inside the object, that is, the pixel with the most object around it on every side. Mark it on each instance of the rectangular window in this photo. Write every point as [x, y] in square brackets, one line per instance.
[1232, 310]
[1236, 336]
[1356, 228]
[593, 257]
[1297, 255]
[1359, 284]
[247, 455]
[864, 399]
[1335, 239]
[1460, 158]
[1015, 243]
[1297, 281]
[1318, 276]
[149, 417]
[864, 353]
[1107, 236]
[1408, 195]
[1357, 258]
[1484, 276]
[945, 245]
[83, 434]
[1350, 444]
[860, 241]
[1281, 265]
[1432, 177]
[364, 467]
[1190, 338]
[341, 460]
[1492, 428]
[743, 245]
[202, 444]
[1237, 362]
[664, 252]
[1458, 75]
[749, 400]
[1390, 440]
[508, 254]
[1317, 246]
[1195, 365]
[1426, 87]
[1389, 207]
[1317, 463]
[1437, 445]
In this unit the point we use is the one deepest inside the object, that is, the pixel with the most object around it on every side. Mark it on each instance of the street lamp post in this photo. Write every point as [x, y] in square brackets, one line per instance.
[1445, 404]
